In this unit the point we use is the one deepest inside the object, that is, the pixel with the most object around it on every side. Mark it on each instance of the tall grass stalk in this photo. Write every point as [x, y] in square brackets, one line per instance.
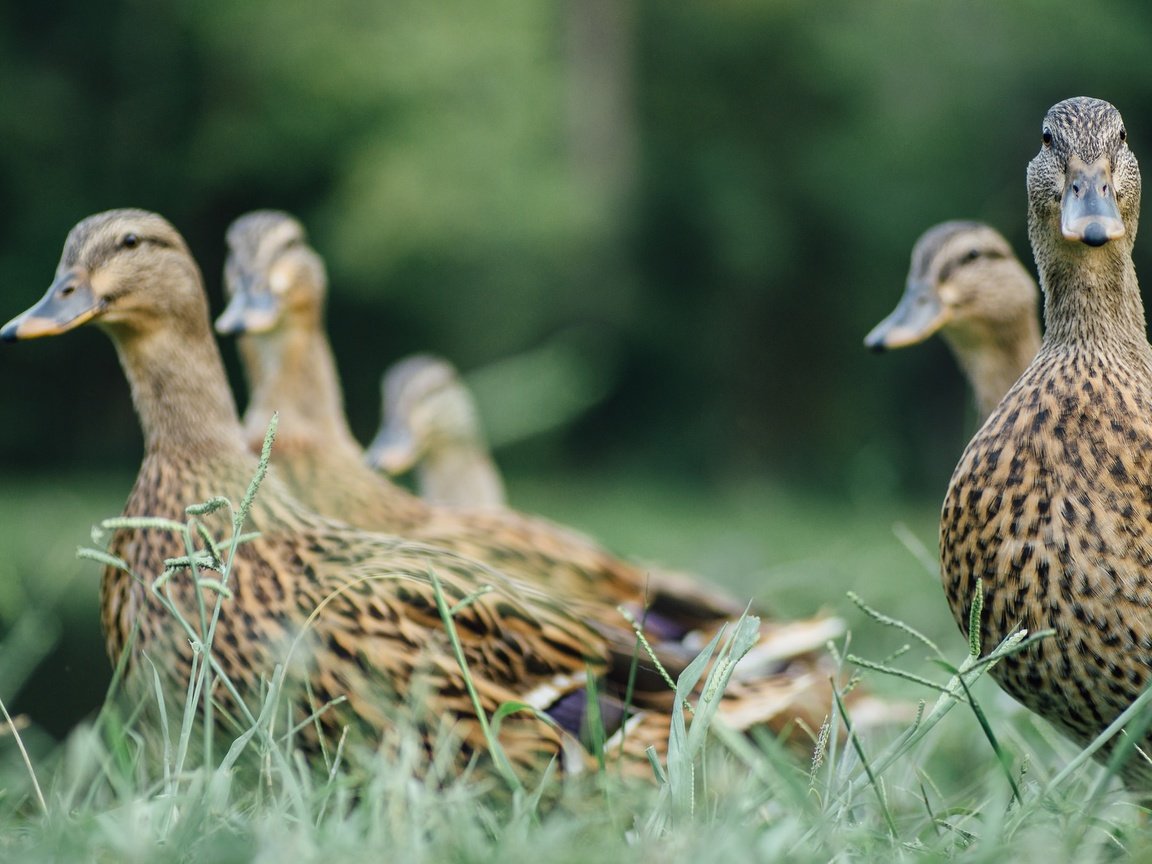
[499, 758]
[15, 732]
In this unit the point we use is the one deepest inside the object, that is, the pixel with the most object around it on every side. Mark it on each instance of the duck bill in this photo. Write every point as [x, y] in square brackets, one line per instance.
[1088, 211]
[249, 312]
[917, 316]
[69, 303]
[393, 450]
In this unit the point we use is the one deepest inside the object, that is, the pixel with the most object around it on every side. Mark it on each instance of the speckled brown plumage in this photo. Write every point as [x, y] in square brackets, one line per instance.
[966, 283]
[1051, 504]
[349, 613]
[278, 284]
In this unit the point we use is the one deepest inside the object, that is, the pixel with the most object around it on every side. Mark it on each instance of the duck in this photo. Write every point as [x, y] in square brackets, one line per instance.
[350, 615]
[1049, 510]
[277, 284]
[967, 284]
[277, 289]
[431, 423]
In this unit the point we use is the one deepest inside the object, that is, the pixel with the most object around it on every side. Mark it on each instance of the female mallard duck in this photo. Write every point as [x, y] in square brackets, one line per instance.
[430, 423]
[277, 285]
[351, 615]
[1050, 504]
[966, 283]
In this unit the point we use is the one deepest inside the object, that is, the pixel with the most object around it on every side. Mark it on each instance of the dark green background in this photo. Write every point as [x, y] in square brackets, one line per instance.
[723, 193]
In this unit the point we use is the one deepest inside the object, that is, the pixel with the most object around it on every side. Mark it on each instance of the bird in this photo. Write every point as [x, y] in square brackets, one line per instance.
[966, 284]
[277, 289]
[277, 285]
[431, 423]
[1049, 509]
[351, 616]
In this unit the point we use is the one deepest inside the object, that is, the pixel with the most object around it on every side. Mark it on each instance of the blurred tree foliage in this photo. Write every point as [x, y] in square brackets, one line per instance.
[726, 191]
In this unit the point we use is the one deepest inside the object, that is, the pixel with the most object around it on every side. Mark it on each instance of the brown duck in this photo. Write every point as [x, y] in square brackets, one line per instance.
[1051, 503]
[351, 614]
[431, 424]
[966, 284]
[277, 285]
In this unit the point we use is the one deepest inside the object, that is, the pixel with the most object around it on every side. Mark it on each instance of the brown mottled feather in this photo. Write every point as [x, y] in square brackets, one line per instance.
[1051, 503]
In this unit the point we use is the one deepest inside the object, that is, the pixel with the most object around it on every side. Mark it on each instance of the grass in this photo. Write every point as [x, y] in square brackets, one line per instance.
[974, 779]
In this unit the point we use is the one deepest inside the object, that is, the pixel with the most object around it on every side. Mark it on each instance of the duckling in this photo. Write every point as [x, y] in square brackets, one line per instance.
[1050, 506]
[351, 615]
[431, 423]
[277, 285]
[966, 283]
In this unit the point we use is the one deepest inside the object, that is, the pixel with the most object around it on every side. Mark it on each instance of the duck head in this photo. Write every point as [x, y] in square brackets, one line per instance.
[1084, 184]
[272, 276]
[121, 269]
[425, 405]
[964, 279]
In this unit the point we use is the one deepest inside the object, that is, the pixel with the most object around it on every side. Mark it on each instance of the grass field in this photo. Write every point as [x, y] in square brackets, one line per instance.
[949, 795]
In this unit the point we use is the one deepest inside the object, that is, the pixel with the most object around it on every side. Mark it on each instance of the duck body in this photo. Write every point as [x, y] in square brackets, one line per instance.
[966, 284]
[1050, 506]
[351, 616]
[431, 424]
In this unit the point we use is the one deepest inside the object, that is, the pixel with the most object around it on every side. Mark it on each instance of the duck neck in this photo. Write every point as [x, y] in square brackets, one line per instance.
[460, 474]
[297, 377]
[993, 360]
[1093, 302]
[180, 390]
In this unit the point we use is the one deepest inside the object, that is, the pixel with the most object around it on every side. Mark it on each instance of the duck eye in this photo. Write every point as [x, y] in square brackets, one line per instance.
[130, 241]
[1123, 134]
[971, 255]
[1047, 137]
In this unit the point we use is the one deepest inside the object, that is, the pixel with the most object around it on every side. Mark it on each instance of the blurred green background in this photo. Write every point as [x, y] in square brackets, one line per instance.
[717, 198]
